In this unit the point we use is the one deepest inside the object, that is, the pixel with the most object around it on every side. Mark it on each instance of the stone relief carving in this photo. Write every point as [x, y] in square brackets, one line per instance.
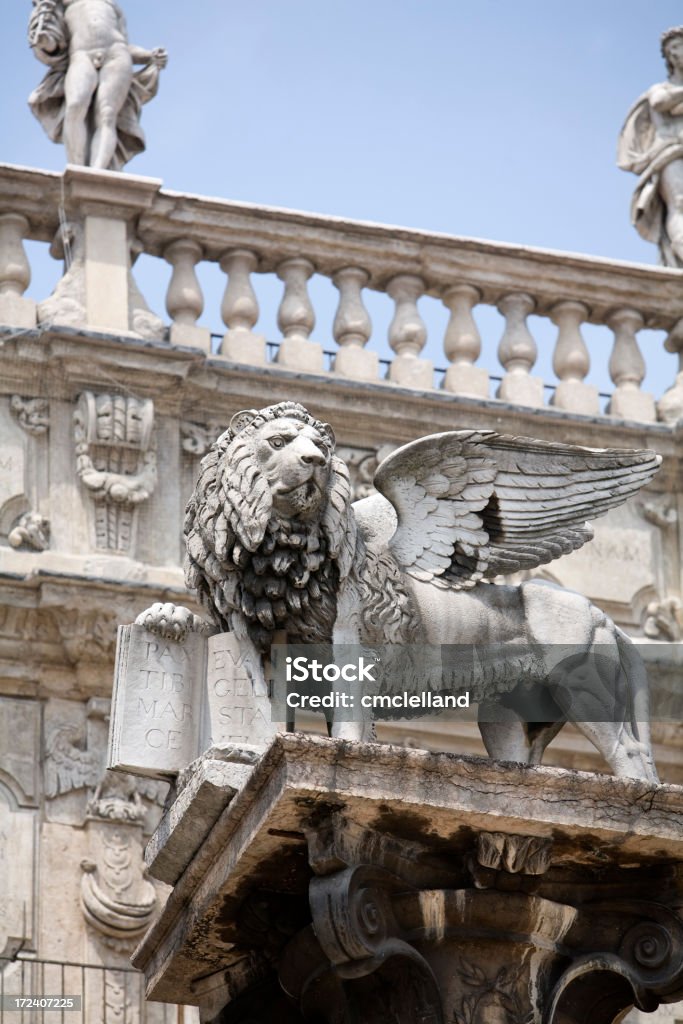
[196, 439]
[660, 511]
[664, 620]
[117, 900]
[383, 939]
[274, 547]
[33, 414]
[116, 462]
[116, 798]
[527, 857]
[32, 530]
[69, 765]
[88, 41]
[77, 786]
[449, 954]
[87, 634]
[489, 998]
[362, 464]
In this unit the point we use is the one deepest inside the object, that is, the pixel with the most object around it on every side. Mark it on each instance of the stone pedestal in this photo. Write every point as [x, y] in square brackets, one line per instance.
[377, 884]
[241, 345]
[98, 290]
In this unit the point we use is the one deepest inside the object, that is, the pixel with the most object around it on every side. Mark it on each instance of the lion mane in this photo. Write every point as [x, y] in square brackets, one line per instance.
[249, 565]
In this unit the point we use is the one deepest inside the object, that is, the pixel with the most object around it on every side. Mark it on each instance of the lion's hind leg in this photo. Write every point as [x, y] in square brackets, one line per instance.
[594, 690]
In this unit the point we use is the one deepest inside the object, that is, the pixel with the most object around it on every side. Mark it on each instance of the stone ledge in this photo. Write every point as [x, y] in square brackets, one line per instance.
[190, 818]
[597, 823]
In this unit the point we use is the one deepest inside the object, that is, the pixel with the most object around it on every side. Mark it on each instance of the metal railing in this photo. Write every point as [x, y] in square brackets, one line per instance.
[101, 994]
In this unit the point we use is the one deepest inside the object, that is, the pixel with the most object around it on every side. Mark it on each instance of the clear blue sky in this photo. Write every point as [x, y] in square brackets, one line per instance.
[496, 119]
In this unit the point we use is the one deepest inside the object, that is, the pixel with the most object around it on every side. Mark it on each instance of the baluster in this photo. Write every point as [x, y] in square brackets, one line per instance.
[571, 361]
[517, 353]
[296, 318]
[240, 309]
[670, 405]
[352, 327]
[184, 299]
[462, 343]
[15, 273]
[627, 369]
[408, 334]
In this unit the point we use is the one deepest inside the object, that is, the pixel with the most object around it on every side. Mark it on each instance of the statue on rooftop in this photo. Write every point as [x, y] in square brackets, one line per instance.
[274, 544]
[91, 98]
[651, 146]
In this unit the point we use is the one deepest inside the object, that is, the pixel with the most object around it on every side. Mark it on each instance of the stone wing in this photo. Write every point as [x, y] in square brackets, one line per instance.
[475, 504]
[439, 486]
[545, 492]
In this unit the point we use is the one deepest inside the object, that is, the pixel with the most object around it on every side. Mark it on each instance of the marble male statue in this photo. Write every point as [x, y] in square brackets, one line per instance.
[91, 97]
[651, 146]
[275, 544]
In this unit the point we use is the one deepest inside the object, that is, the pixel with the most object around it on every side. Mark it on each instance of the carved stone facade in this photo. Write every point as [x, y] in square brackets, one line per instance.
[105, 414]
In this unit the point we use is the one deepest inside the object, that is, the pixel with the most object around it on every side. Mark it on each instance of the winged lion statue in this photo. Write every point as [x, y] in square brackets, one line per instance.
[274, 543]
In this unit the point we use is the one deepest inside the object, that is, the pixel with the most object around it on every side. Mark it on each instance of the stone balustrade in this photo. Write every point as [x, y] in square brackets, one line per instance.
[104, 218]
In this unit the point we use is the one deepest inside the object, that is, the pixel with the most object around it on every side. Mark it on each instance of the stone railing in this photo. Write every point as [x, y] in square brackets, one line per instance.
[95, 220]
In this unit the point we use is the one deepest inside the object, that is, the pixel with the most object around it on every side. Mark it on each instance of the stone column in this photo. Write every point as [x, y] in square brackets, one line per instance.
[352, 327]
[15, 273]
[408, 334]
[462, 344]
[627, 369]
[296, 318]
[184, 299]
[571, 361]
[240, 310]
[517, 352]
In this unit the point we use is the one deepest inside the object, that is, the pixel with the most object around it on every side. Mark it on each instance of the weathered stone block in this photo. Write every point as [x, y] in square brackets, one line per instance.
[301, 354]
[242, 346]
[17, 311]
[192, 815]
[191, 335]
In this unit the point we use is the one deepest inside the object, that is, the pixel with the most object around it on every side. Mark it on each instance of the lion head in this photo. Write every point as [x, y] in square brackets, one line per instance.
[268, 529]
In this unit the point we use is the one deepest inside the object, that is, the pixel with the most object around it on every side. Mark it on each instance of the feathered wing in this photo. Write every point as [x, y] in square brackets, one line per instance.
[439, 487]
[475, 504]
[545, 492]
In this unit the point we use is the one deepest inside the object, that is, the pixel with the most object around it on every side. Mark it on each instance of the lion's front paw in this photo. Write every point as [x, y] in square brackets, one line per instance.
[171, 621]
